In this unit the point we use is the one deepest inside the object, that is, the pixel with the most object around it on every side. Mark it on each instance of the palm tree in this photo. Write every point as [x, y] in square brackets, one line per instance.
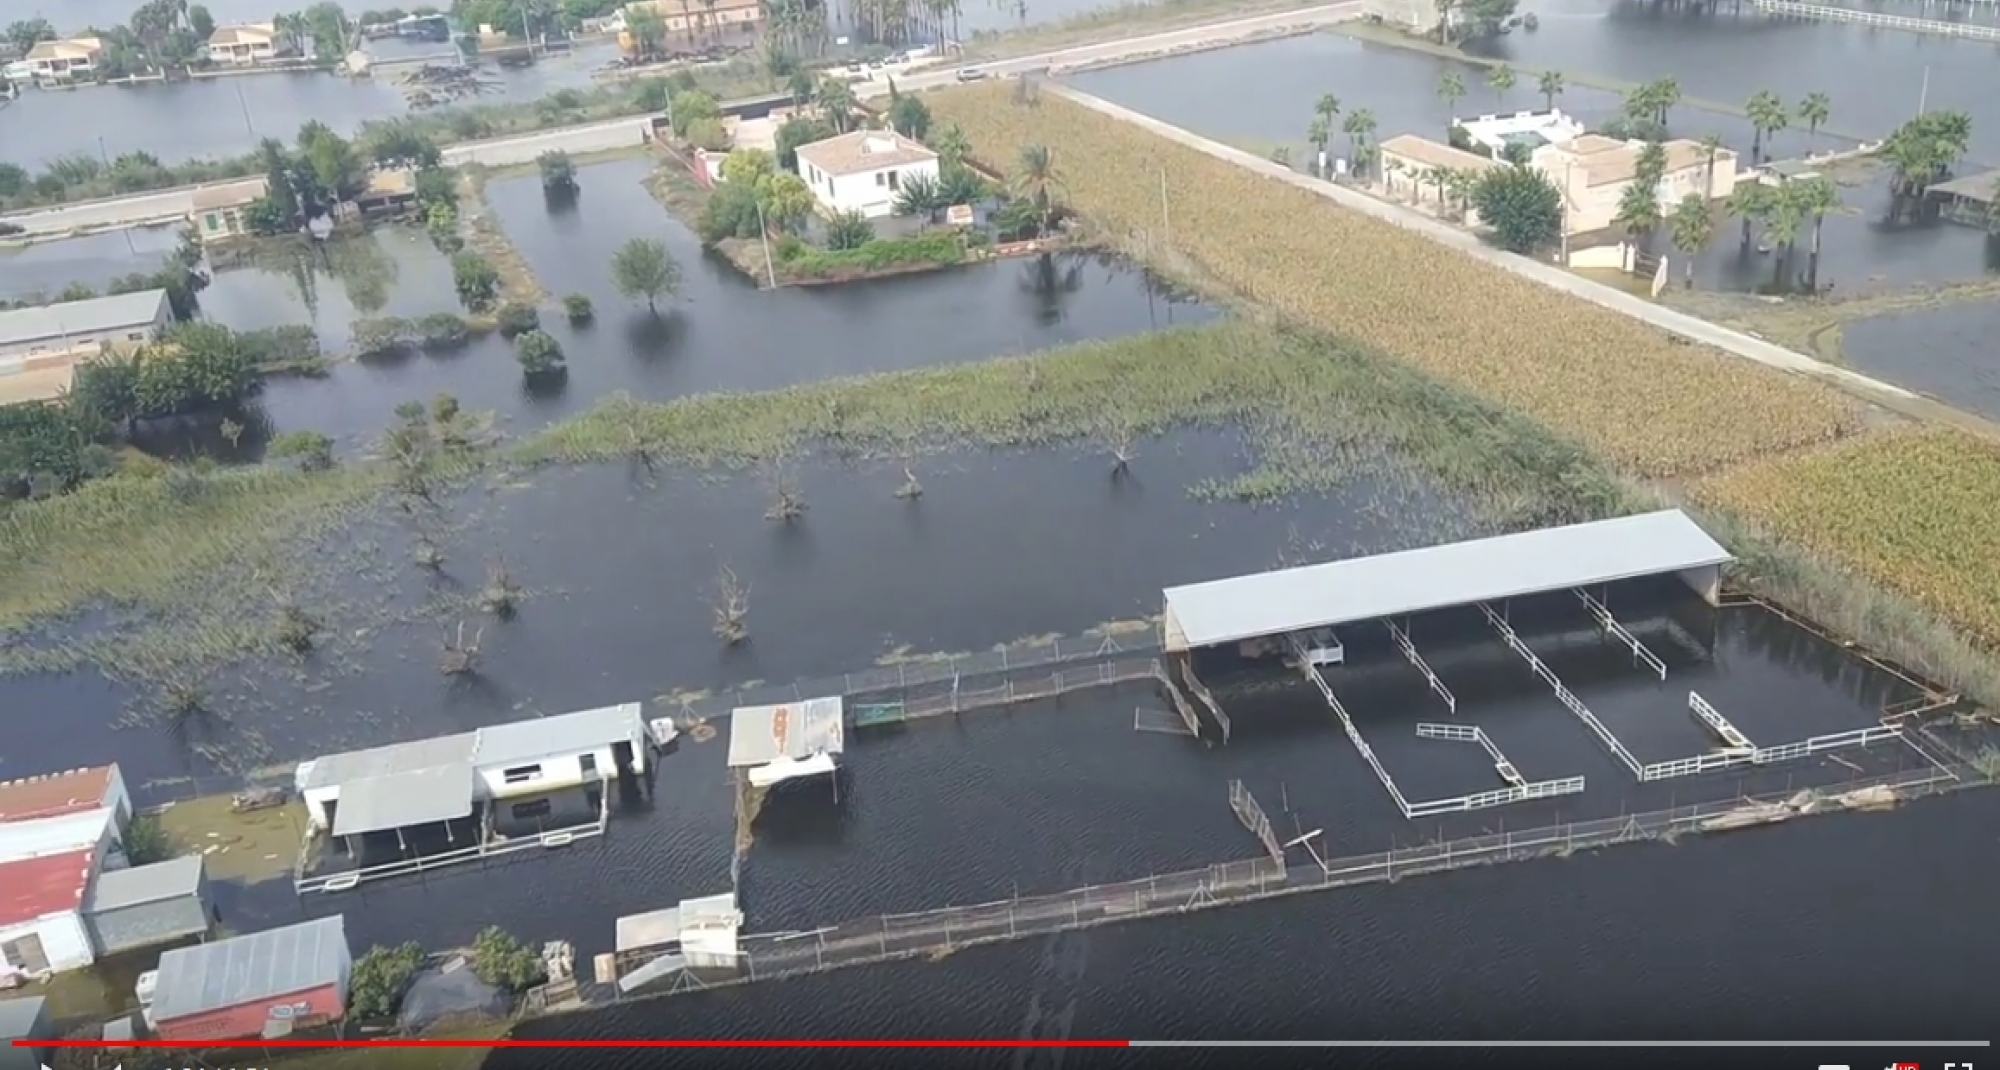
[1318, 133]
[1638, 212]
[1690, 227]
[1751, 203]
[1451, 89]
[1815, 197]
[1500, 79]
[1039, 183]
[1326, 107]
[1445, 9]
[1551, 85]
[836, 98]
[1813, 112]
[1711, 145]
[950, 145]
[1458, 182]
[1783, 217]
[1359, 126]
[1436, 176]
[1665, 93]
[1767, 116]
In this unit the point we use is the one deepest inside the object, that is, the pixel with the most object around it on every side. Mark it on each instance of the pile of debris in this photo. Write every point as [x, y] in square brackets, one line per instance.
[435, 85]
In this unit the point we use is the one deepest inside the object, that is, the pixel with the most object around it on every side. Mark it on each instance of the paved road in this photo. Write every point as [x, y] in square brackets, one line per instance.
[167, 205]
[1666, 319]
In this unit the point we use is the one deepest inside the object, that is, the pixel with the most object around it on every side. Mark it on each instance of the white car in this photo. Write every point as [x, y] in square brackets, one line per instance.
[971, 74]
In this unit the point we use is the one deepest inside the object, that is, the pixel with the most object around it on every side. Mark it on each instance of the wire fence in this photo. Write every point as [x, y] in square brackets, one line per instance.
[946, 683]
[937, 933]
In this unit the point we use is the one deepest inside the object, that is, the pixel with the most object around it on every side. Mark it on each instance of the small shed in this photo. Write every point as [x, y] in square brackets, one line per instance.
[147, 905]
[787, 741]
[25, 1018]
[262, 984]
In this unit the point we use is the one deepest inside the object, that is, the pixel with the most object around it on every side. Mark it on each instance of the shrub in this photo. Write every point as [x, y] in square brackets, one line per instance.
[504, 962]
[539, 353]
[380, 977]
[475, 279]
[441, 330]
[938, 249]
[385, 334]
[313, 451]
[516, 319]
[146, 841]
[578, 309]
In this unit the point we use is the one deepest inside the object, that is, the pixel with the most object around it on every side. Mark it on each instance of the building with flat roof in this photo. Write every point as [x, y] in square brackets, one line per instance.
[771, 744]
[51, 338]
[262, 984]
[1530, 130]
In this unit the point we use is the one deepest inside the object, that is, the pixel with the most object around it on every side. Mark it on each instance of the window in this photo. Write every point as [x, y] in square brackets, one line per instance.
[530, 810]
[893, 184]
[521, 774]
[588, 764]
[881, 178]
[136, 336]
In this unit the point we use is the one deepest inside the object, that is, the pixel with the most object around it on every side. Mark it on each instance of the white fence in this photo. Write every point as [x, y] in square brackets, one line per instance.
[1610, 626]
[1410, 654]
[1742, 752]
[1563, 694]
[1825, 13]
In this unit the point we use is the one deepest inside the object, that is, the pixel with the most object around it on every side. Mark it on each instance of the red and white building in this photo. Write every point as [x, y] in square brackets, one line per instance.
[68, 892]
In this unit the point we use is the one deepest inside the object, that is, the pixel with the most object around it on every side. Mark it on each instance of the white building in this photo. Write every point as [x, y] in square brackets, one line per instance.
[64, 61]
[67, 892]
[864, 171]
[244, 45]
[772, 744]
[1594, 171]
[70, 329]
[1529, 129]
[445, 779]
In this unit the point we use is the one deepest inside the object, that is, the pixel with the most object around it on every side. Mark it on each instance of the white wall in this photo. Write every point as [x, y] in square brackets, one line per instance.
[868, 192]
[551, 774]
[64, 939]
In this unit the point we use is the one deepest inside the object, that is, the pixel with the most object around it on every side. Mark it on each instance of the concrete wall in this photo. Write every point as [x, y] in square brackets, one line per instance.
[508, 152]
[1419, 15]
[65, 943]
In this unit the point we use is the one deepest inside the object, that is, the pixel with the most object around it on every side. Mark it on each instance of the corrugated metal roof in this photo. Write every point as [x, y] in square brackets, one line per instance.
[244, 969]
[339, 769]
[418, 797]
[568, 733]
[1456, 574]
[53, 835]
[34, 888]
[116, 889]
[759, 735]
[21, 1018]
[23, 325]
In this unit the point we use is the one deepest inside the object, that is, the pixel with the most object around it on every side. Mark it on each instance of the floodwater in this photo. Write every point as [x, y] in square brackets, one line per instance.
[720, 333]
[1277, 82]
[220, 117]
[390, 271]
[1767, 934]
[1943, 352]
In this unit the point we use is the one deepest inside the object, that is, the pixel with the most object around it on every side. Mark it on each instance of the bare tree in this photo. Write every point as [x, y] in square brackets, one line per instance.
[426, 553]
[731, 605]
[460, 657]
[787, 504]
[501, 596]
[911, 490]
[640, 452]
[1118, 440]
[182, 696]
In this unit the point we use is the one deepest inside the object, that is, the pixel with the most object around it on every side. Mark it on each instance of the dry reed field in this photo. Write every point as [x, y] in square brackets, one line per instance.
[1913, 509]
[1654, 406]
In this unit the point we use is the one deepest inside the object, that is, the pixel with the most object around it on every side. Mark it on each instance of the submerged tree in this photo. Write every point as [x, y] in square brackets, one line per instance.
[731, 606]
[1523, 208]
[1690, 226]
[460, 657]
[787, 504]
[501, 596]
[644, 268]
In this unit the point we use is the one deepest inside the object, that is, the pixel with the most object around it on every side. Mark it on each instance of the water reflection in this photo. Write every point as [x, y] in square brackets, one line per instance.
[390, 271]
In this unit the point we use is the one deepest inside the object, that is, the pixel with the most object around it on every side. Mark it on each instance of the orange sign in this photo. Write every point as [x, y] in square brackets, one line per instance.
[781, 728]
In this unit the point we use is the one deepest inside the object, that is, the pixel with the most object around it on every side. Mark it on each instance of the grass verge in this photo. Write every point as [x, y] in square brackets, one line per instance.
[1654, 406]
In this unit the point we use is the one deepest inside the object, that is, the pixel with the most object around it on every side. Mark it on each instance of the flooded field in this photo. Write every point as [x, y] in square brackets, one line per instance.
[390, 271]
[40, 271]
[1944, 352]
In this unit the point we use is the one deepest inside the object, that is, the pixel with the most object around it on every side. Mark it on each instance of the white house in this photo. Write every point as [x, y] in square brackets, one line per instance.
[864, 171]
[55, 833]
[244, 45]
[447, 778]
[1529, 129]
[64, 61]
[81, 328]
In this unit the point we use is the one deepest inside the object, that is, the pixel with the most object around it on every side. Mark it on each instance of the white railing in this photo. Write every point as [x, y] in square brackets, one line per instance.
[1204, 696]
[1719, 724]
[1563, 695]
[1610, 626]
[1786, 752]
[1458, 733]
[1411, 655]
[1825, 13]
[1486, 800]
[1347, 725]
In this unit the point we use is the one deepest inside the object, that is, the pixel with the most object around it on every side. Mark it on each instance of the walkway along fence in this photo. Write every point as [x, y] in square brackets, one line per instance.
[937, 933]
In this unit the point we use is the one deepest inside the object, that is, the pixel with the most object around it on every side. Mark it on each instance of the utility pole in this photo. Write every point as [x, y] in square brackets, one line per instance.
[1924, 97]
[764, 238]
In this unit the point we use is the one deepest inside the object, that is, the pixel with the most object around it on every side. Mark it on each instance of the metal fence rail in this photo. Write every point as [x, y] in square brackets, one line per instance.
[935, 933]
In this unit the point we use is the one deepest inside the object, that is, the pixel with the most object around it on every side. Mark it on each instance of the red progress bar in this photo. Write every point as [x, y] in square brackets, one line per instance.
[254, 1043]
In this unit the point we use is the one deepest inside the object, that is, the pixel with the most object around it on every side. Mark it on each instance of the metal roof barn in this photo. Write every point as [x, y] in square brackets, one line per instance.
[400, 800]
[147, 905]
[569, 733]
[234, 987]
[1456, 574]
[791, 731]
[114, 312]
[338, 769]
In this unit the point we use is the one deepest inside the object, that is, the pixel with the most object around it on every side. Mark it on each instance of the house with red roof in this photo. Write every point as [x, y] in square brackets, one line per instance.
[68, 892]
